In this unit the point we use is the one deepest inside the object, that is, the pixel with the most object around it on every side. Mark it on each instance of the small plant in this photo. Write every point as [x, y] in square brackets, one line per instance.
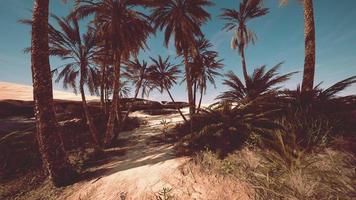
[165, 194]
[123, 195]
[165, 127]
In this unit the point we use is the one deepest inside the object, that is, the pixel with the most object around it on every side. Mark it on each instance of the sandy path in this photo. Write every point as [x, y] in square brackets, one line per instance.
[150, 165]
[147, 167]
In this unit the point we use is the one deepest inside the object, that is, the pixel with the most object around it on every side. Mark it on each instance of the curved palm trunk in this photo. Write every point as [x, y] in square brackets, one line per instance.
[189, 85]
[90, 122]
[109, 135]
[50, 144]
[309, 34]
[180, 112]
[244, 67]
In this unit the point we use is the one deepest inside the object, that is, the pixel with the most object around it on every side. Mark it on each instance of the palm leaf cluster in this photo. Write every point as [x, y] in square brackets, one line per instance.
[80, 52]
[260, 84]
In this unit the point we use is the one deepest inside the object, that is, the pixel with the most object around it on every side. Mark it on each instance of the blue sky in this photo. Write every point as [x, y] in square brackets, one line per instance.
[280, 38]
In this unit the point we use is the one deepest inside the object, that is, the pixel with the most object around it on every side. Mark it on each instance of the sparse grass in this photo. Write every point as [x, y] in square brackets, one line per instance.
[329, 174]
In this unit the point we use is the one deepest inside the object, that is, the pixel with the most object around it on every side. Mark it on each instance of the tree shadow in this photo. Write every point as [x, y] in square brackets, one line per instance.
[137, 150]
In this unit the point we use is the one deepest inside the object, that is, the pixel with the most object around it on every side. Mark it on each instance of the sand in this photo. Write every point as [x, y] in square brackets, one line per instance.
[25, 93]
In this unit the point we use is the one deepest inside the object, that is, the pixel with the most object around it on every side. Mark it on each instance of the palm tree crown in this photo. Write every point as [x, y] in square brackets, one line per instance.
[127, 28]
[260, 83]
[80, 50]
[237, 20]
[137, 72]
[163, 74]
[181, 18]
[205, 65]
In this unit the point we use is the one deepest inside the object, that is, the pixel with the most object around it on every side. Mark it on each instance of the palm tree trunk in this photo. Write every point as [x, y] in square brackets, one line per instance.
[53, 155]
[309, 34]
[109, 135]
[189, 85]
[106, 96]
[131, 105]
[90, 122]
[195, 94]
[201, 99]
[180, 112]
[244, 67]
[102, 88]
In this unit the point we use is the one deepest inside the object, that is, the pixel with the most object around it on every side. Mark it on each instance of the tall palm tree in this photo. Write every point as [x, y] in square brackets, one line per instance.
[182, 19]
[137, 72]
[309, 39]
[128, 30]
[205, 68]
[237, 20]
[260, 84]
[104, 60]
[80, 51]
[50, 144]
[163, 75]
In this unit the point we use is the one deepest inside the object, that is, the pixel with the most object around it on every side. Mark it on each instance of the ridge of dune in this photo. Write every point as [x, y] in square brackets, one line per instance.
[15, 91]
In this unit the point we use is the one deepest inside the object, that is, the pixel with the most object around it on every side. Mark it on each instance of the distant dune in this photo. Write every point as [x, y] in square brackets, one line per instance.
[24, 92]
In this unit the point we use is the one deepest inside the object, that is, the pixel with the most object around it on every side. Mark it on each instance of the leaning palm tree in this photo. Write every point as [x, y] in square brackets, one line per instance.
[80, 52]
[260, 84]
[163, 75]
[237, 19]
[50, 144]
[182, 19]
[309, 37]
[128, 30]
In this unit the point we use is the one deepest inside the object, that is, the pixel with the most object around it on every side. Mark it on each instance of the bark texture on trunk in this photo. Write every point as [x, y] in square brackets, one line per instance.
[50, 144]
[180, 112]
[309, 34]
[109, 135]
[189, 85]
[244, 67]
[89, 120]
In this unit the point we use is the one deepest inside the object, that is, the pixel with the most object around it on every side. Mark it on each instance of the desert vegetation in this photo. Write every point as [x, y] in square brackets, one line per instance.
[258, 140]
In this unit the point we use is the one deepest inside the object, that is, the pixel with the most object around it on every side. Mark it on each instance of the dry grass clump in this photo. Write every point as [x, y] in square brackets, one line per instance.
[329, 174]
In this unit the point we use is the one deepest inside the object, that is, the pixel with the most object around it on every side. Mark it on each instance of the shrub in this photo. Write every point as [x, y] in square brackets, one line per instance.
[225, 128]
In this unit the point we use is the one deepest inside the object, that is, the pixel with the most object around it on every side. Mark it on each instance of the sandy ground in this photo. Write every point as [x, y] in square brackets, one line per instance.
[148, 166]
[24, 92]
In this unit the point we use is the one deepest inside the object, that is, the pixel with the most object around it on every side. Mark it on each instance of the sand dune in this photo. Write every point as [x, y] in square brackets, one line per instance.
[24, 92]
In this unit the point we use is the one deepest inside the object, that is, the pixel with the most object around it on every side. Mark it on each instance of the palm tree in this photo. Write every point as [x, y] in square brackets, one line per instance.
[50, 144]
[104, 59]
[163, 75]
[237, 20]
[205, 68]
[182, 19]
[137, 73]
[260, 84]
[309, 38]
[128, 30]
[80, 51]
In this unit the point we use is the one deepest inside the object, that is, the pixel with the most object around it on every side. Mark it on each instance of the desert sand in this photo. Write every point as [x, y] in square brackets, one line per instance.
[16, 91]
